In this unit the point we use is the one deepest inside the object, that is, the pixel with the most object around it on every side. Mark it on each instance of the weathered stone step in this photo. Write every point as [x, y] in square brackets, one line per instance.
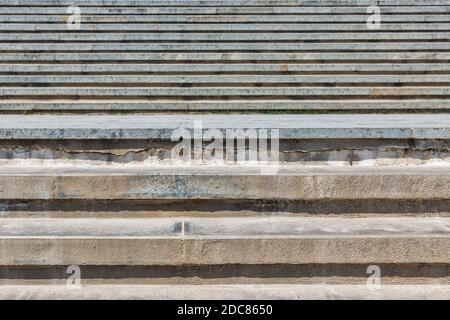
[286, 27]
[227, 292]
[224, 241]
[142, 105]
[224, 3]
[227, 182]
[179, 68]
[310, 18]
[404, 55]
[232, 37]
[212, 80]
[108, 9]
[125, 91]
[395, 126]
[270, 47]
[162, 126]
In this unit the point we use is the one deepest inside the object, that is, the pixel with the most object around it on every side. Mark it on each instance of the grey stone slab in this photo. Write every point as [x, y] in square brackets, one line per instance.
[89, 228]
[219, 79]
[224, 228]
[162, 126]
[229, 36]
[228, 292]
[99, 105]
[413, 18]
[226, 2]
[107, 9]
[227, 56]
[317, 227]
[230, 46]
[104, 182]
[225, 68]
[204, 251]
[292, 27]
[409, 91]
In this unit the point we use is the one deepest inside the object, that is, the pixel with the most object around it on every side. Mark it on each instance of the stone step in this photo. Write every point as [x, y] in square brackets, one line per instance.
[176, 241]
[227, 27]
[229, 36]
[310, 18]
[335, 69]
[228, 292]
[235, 105]
[106, 9]
[333, 126]
[224, 47]
[125, 91]
[223, 182]
[225, 3]
[212, 80]
[401, 55]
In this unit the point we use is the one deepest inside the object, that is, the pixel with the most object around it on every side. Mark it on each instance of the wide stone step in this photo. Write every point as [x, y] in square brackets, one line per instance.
[227, 27]
[228, 292]
[400, 55]
[227, 47]
[224, 3]
[310, 18]
[106, 8]
[159, 105]
[379, 69]
[224, 182]
[225, 79]
[177, 241]
[395, 126]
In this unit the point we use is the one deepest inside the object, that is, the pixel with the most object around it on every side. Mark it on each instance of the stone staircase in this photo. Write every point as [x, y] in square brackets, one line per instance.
[95, 203]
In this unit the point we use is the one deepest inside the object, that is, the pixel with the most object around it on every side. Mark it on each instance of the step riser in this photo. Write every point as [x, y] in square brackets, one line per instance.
[365, 152]
[41, 251]
[184, 186]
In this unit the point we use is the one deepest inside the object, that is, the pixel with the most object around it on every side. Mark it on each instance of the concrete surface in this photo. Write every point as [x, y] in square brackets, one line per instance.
[210, 182]
[144, 232]
[433, 126]
[230, 292]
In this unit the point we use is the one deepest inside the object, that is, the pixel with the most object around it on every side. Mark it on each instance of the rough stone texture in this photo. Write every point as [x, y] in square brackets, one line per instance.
[230, 292]
[352, 190]
[207, 251]
[228, 182]
[289, 126]
[224, 55]
[224, 241]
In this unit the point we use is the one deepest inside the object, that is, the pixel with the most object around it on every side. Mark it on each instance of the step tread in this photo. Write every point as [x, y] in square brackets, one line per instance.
[227, 292]
[223, 241]
[213, 3]
[224, 228]
[398, 126]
